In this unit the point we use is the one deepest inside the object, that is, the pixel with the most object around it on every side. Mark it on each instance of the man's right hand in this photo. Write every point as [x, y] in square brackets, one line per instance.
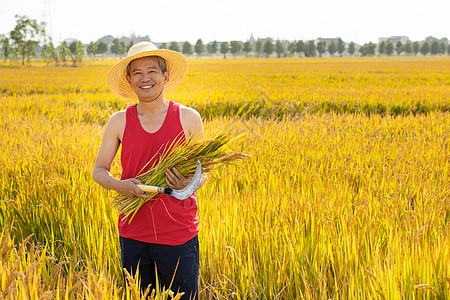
[128, 187]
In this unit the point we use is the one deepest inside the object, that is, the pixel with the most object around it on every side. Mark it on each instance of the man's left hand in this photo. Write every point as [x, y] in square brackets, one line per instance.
[175, 179]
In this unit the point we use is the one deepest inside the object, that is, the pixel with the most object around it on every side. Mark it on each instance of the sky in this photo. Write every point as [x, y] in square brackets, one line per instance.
[359, 21]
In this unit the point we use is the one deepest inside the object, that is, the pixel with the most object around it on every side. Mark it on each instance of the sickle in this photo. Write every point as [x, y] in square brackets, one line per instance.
[179, 194]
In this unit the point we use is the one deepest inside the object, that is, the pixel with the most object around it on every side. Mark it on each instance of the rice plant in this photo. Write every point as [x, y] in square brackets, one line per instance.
[346, 195]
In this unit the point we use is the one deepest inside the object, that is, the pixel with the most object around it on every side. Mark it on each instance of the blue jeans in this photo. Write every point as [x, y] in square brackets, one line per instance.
[164, 259]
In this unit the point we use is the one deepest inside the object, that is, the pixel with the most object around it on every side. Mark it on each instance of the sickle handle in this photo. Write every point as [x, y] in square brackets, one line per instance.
[150, 189]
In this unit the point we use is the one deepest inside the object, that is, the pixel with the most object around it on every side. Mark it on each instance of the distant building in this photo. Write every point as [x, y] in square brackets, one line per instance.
[326, 40]
[136, 39]
[394, 39]
[431, 39]
[69, 41]
[252, 40]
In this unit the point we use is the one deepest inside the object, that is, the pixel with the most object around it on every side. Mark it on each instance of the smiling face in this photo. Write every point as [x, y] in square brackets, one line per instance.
[146, 78]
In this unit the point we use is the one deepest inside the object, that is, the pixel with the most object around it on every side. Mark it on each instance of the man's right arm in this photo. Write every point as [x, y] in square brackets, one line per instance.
[108, 149]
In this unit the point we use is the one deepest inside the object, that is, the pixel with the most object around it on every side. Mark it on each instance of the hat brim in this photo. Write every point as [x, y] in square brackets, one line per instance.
[177, 66]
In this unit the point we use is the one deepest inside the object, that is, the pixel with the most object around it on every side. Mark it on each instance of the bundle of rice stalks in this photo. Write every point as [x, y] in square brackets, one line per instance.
[211, 153]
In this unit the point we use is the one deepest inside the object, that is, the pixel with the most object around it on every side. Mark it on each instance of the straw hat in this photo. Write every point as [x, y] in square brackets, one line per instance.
[177, 66]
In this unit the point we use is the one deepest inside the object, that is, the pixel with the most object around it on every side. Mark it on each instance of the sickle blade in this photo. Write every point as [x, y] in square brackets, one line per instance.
[191, 187]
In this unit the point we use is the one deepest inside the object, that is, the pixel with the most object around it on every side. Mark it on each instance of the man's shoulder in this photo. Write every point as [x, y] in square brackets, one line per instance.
[118, 120]
[118, 116]
[188, 112]
[191, 121]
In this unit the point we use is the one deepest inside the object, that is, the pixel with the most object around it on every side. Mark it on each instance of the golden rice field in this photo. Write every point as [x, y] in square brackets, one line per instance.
[346, 196]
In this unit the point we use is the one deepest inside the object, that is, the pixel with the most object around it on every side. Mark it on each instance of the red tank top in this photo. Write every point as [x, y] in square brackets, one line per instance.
[163, 219]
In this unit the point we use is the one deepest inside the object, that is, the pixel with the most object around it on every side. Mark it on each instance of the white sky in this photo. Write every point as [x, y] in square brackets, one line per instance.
[360, 21]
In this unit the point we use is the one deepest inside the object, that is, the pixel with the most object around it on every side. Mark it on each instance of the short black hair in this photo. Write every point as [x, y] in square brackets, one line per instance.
[161, 62]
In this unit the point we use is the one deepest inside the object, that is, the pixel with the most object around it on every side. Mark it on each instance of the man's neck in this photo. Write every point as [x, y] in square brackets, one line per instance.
[157, 106]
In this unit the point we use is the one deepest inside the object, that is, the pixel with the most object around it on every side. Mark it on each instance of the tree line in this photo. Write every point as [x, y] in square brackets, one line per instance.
[29, 37]
[311, 48]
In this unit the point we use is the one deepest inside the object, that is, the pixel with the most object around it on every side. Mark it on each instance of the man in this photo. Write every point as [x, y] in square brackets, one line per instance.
[161, 240]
